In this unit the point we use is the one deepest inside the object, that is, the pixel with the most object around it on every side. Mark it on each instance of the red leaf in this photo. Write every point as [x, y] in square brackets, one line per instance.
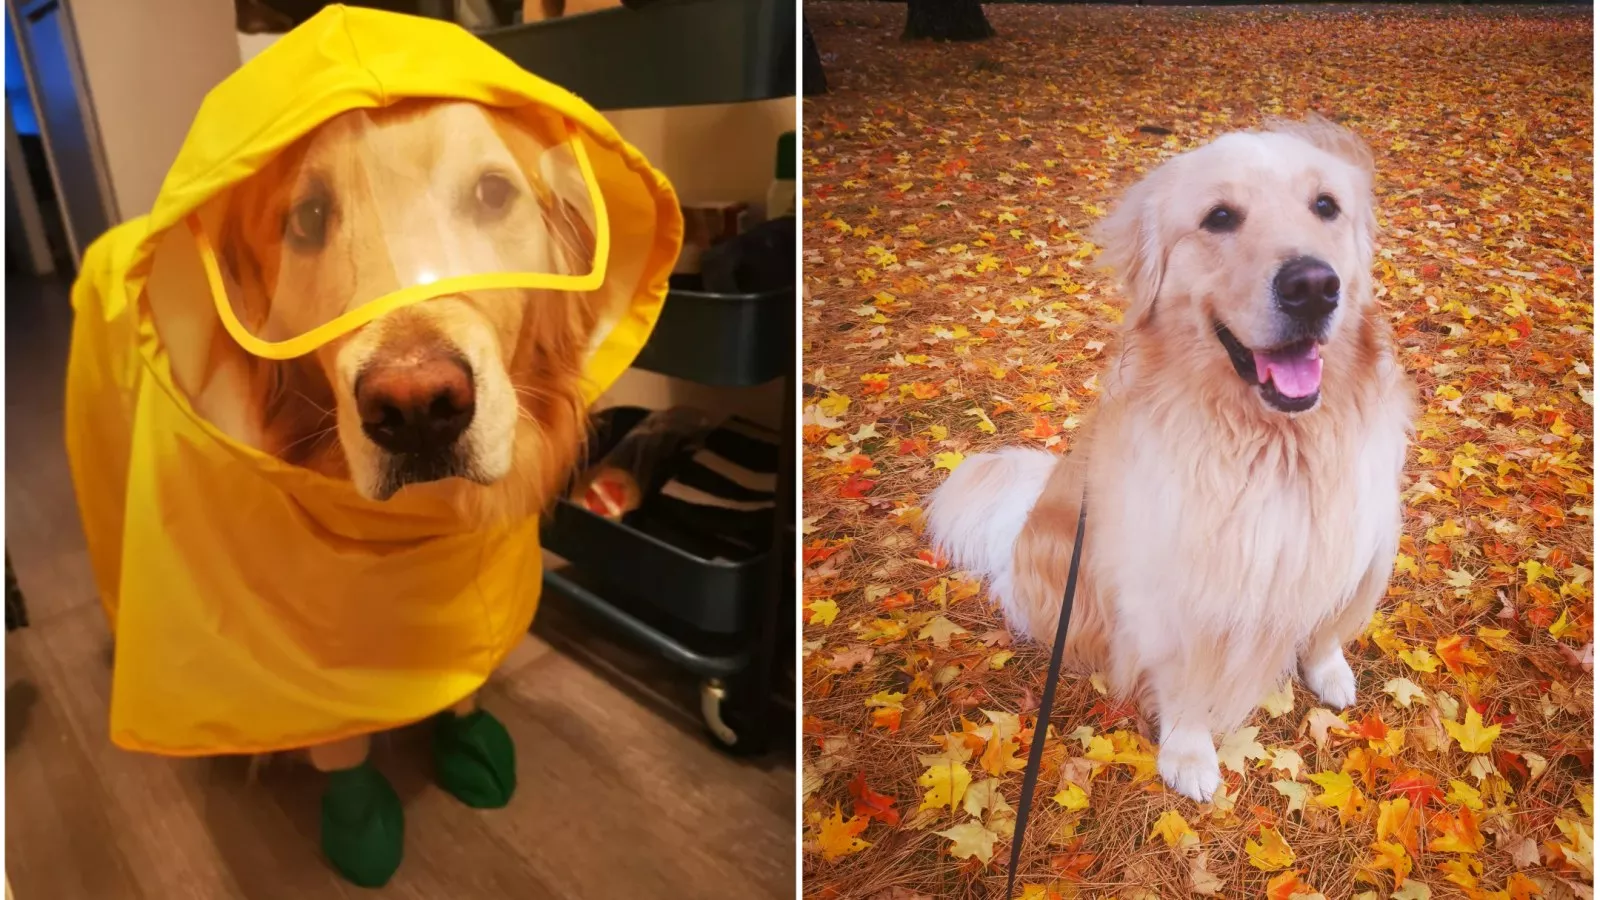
[855, 488]
[1371, 728]
[872, 804]
[1417, 787]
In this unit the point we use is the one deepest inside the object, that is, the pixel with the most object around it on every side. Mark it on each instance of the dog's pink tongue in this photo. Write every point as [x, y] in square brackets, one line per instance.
[1296, 371]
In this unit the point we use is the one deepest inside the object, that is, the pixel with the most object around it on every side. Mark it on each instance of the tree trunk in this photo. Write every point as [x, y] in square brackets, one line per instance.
[812, 79]
[946, 20]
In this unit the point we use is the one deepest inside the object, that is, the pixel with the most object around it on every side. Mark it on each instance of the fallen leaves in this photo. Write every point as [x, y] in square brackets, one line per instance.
[955, 305]
[838, 837]
[1457, 832]
[1172, 828]
[1271, 853]
[1339, 793]
[971, 840]
[870, 803]
[1471, 735]
[946, 782]
[1240, 746]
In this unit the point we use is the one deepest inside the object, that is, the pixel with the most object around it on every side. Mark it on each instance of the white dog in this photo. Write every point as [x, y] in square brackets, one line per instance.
[1244, 464]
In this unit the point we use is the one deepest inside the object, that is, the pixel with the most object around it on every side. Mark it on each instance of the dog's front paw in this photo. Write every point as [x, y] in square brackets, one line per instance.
[1330, 679]
[1188, 764]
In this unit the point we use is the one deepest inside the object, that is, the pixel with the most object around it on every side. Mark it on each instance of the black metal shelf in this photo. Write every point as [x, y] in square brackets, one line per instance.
[723, 340]
[666, 53]
[687, 53]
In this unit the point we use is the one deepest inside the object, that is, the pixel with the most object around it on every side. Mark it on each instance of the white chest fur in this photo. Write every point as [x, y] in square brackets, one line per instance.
[1243, 550]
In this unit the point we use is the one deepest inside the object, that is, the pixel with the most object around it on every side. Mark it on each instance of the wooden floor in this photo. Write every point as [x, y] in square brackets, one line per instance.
[619, 795]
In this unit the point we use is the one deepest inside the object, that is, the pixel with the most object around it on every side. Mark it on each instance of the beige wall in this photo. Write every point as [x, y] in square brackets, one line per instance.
[709, 153]
[148, 64]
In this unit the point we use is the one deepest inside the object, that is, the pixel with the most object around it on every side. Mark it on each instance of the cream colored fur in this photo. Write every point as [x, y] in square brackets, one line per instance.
[1228, 543]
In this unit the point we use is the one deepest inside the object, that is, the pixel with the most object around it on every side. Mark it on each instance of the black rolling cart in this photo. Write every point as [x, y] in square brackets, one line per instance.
[730, 623]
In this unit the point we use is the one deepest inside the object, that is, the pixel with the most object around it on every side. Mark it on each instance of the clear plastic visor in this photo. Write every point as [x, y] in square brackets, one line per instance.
[378, 209]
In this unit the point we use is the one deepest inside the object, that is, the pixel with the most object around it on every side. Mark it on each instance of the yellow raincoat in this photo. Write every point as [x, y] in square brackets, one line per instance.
[258, 606]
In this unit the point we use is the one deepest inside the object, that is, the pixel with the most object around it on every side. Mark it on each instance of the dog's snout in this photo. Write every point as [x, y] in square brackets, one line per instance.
[419, 407]
[1307, 288]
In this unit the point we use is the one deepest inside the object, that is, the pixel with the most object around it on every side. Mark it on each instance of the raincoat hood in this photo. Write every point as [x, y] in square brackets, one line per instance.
[260, 606]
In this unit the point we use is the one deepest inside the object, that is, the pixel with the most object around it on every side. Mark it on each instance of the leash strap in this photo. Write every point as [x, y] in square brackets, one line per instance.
[1041, 726]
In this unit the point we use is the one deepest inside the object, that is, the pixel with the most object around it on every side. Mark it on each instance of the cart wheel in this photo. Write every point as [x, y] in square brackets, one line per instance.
[723, 722]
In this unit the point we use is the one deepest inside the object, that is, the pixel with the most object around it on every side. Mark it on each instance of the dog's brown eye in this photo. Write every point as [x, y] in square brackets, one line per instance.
[494, 192]
[307, 224]
[1326, 208]
[1221, 219]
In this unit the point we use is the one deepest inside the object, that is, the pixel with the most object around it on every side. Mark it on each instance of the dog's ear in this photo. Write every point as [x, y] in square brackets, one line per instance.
[1130, 243]
[1329, 137]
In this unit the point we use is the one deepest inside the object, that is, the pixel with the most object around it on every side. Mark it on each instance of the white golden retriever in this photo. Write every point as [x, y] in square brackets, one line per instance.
[1244, 464]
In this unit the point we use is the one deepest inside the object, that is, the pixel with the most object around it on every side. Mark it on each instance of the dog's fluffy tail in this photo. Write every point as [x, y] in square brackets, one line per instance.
[976, 516]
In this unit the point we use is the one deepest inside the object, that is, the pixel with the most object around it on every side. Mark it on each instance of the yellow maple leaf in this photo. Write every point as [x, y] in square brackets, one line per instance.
[1580, 847]
[972, 840]
[834, 404]
[1403, 690]
[1122, 748]
[823, 612]
[1420, 660]
[1172, 828]
[838, 838]
[1280, 701]
[939, 432]
[940, 630]
[1295, 791]
[946, 783]
[1463, 794]
[886, 700]
[1444, 531]
[1560, 627]
[1272, 853]
[984, 424]
[1390, 855]
[1339, 792]
[1072, 797]
[1471, 735]
[1396, 819]
[948, 460]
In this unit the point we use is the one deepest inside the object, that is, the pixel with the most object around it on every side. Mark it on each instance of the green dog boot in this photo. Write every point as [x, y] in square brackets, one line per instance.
[475, 759]
[362, 825]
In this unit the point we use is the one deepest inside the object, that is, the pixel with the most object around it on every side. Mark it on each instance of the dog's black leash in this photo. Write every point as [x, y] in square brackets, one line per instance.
[1041, 725]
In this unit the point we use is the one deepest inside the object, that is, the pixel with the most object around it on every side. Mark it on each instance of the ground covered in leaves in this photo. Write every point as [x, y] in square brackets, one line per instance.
[953, 305]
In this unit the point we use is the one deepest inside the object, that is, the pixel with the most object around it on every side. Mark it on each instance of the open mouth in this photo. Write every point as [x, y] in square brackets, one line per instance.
[1289, 376]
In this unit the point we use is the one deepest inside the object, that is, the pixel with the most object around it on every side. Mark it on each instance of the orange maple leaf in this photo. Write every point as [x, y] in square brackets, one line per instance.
[1287, 884]
[1373, 729]
[1458, 832]
[1457, 653]
[1041, 430]
[1391, 856]
[838, 838]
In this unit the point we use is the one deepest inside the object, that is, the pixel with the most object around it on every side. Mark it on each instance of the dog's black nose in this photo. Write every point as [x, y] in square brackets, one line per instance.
[1307, 288]
[421, 407]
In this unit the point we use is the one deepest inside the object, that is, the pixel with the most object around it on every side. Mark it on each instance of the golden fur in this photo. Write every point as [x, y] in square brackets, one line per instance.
[1227, 541]
[525, 348]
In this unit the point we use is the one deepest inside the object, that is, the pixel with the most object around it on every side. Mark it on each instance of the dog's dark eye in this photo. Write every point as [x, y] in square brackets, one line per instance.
[306, 226]
[1326, 208]
[494, 192]
[1221, 220]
